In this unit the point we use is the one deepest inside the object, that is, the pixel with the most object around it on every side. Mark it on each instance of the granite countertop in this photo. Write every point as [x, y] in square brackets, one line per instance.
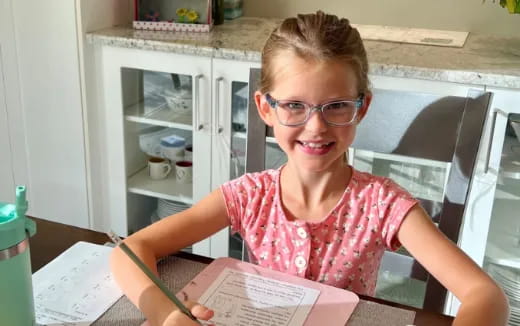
[484, 59]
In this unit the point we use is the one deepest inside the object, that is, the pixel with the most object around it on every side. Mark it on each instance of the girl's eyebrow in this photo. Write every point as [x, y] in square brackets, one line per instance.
[335, 99]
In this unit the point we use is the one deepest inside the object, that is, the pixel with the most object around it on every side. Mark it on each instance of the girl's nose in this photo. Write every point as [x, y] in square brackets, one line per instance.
[316, 123]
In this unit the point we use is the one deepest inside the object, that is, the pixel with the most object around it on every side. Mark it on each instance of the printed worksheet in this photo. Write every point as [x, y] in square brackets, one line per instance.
[244, 299]
[76, 288]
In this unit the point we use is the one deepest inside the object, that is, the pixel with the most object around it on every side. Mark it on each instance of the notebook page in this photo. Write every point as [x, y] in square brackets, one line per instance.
[240, 298]
[76, 288]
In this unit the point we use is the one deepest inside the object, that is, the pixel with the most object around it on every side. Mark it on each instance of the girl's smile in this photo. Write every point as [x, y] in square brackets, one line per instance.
[315, 147]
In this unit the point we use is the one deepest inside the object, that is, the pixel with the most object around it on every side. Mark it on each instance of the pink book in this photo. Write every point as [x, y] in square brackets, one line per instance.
[331, 306]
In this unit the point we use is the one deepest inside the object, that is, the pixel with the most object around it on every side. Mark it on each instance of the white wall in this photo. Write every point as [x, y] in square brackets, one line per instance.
[459, 15]
[46, 65]
[48, 70]
[13, 162]
[6, 166]
[95, 15]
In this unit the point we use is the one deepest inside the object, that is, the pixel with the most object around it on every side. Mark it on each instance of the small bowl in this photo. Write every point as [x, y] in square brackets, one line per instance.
[150, 139]
[179, 102]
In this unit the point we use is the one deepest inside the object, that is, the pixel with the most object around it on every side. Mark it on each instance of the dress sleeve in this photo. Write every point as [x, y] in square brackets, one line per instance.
[241, 196]
[234, 201]
[394, 204]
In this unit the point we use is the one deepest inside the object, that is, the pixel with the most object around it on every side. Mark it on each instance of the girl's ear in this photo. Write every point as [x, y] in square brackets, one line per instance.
[264, 109]
[364, 108]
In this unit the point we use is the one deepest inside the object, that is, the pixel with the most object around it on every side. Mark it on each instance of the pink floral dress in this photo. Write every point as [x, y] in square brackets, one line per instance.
[343, 249]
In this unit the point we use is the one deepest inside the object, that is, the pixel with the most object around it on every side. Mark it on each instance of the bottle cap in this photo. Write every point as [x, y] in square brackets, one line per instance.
[14, 226]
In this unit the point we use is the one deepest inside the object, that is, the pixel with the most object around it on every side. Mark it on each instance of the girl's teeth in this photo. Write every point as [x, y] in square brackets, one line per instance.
[314, 145]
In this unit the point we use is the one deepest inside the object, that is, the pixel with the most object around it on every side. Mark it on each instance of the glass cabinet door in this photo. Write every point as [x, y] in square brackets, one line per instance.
[502, 256]
[156, 107]
[158, 113]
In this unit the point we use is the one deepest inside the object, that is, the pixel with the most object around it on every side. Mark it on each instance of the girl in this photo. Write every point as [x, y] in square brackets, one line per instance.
[315, 217]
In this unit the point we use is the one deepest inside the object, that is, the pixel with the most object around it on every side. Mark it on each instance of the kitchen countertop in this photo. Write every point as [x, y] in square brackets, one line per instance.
[484, 60]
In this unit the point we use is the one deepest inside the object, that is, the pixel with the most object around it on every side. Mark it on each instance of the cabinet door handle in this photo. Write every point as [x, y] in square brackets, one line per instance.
[218, 127]
[198, 125]
[491, 134]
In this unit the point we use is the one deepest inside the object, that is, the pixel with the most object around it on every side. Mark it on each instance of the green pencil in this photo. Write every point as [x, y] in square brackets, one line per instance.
[151, 275]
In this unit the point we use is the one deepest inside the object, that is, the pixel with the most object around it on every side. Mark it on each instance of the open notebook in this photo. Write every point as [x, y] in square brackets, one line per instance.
[241, 293]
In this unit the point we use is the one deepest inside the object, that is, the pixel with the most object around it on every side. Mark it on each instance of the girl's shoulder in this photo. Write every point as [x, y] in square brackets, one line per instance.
[257, 180]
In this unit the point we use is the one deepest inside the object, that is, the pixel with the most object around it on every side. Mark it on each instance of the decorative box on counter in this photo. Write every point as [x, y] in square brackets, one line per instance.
[173, 15]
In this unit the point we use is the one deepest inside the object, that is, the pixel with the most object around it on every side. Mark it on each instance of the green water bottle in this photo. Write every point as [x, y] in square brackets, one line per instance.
[16, 295]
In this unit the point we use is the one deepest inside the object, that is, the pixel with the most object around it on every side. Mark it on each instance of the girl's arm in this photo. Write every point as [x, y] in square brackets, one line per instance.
[161, 239]
[482, 301]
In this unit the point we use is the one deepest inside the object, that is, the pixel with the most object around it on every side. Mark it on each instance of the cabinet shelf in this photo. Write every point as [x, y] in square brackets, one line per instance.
[140, 183]
[158, 116]
[403, 159]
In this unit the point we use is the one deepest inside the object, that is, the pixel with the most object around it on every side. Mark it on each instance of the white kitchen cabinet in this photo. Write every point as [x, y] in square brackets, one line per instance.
[220, 91]
[131, 195]
[129, 111]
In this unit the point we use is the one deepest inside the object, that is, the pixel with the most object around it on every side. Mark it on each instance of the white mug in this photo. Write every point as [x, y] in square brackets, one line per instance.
[184, 171]
[158, 168]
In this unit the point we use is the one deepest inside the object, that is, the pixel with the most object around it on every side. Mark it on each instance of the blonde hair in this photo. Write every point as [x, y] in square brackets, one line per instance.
[316, 36]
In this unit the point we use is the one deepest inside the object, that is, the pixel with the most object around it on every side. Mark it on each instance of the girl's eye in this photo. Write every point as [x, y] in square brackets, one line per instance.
[293, 106]
[339, 106]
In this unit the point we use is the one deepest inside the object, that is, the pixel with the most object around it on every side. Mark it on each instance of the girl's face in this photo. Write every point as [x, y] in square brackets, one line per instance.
[314, 146]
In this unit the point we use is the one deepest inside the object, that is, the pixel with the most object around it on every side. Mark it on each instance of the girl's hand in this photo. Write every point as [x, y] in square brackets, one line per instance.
[177, 318]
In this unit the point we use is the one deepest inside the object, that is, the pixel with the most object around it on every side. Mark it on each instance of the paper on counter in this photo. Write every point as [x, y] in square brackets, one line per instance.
[243, 299]
[76, 288]
[412, 35]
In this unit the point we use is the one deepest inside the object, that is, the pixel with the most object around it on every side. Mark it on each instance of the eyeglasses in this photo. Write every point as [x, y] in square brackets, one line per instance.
[297, 113]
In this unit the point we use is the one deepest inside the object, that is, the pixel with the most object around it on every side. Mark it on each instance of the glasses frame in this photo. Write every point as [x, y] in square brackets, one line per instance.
[310, 108]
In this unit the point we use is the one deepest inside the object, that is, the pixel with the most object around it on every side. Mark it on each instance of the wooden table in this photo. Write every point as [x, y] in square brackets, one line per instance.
[52, 238]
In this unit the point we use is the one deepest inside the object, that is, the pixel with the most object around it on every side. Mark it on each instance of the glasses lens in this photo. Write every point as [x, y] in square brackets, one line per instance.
[291, 113]
[342, 112]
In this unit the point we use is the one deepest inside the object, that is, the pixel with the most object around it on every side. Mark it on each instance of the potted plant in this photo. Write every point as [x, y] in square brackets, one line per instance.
[513, 6]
